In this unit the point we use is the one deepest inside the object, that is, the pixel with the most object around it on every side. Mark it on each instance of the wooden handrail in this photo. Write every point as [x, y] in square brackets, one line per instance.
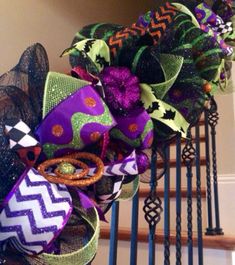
[144, 192]
[214, 242]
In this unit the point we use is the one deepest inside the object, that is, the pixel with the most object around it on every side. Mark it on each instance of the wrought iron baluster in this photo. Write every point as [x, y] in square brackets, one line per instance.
[213, 121]
[114, 234]
[134, 229]
[152, 208]
[209, 229]
[199, 201]
[178, 200]
[188, 156]
[167, 209]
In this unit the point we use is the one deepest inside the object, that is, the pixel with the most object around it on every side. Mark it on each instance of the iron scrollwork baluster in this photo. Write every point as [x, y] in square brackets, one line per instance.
[178, 200]
[152, 208]
[199, 198]
[188, 157]
[167, 208]
[209, 229]
[114, 234]
[213, 121]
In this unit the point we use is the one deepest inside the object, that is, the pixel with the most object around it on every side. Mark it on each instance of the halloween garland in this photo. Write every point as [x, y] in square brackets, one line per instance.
[73, 144]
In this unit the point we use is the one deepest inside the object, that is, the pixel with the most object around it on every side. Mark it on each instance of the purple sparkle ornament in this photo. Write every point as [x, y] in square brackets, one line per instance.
[222, 76]
[121, 87]
[143, 162]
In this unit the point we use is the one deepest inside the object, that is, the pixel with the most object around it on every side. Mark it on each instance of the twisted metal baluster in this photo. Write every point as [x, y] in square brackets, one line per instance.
[199, 201]
[167, 209]
[178, 200]
[188, 156]
[114, 234]
[209, 229]
[152, 208]
[134, 229]
[213, 121]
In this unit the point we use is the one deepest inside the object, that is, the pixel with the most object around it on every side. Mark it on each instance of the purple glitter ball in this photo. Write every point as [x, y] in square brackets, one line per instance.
[142, 162]
[121, 87]
[222, 76]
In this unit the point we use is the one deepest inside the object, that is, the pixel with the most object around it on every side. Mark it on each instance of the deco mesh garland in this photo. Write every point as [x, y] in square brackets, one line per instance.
[73, 144]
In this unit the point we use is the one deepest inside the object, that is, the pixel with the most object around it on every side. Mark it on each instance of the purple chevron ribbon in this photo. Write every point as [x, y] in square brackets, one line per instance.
[127, 166]
[113, 176]
[34, 213]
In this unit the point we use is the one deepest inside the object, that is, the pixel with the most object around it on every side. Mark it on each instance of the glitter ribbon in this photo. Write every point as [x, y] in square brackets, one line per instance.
[72, 126]
[34, 213]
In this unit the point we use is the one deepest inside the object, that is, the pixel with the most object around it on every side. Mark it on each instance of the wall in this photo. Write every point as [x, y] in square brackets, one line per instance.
[226, 158]
[54, 23]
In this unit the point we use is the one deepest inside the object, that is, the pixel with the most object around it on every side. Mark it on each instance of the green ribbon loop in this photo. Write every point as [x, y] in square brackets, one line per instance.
[129, 190]
[83, 255]
[171, 66]
[96, 50]
[57, 88]
[163, 112]
[186, 11]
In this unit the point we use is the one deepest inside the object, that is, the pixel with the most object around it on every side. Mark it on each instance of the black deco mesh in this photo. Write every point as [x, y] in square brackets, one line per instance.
[25, 83]
[21, 92]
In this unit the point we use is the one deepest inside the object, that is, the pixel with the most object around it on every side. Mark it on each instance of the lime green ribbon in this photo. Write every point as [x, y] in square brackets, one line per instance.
[129, 190]
[186, 11]
[96, 50]
[57, 88]
[174, 120]
[171, 66]
[84, 255]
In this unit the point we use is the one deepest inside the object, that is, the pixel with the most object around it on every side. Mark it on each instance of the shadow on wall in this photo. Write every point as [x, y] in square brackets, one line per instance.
[54, 23]
[90, 11]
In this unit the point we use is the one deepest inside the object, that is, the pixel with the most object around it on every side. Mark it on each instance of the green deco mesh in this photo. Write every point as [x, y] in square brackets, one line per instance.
[57, 88]
[171, 66]
[129, 190]
[77, 249]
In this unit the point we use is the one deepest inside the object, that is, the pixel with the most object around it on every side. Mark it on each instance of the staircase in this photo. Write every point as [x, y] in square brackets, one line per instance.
[177, 240]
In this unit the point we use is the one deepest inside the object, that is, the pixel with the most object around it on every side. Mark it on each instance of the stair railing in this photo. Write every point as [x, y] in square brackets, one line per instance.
[190, 156]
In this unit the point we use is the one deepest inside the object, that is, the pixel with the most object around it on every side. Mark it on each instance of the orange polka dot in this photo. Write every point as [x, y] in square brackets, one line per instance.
[133, 127]
[95, 136]
[90, 102]
[150, 141]
[177, 93]
[207, 87]
[57, 130]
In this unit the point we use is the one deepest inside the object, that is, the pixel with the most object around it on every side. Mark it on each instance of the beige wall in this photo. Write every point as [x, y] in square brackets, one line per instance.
[226, 132]
[54, 23]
